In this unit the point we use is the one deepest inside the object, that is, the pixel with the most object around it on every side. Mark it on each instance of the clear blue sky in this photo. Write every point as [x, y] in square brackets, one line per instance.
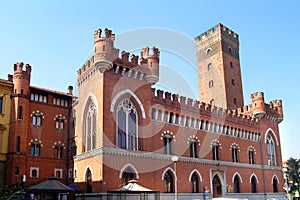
[56, 37]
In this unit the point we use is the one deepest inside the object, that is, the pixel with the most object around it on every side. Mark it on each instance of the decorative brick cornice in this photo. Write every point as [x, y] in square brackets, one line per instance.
[164, 157]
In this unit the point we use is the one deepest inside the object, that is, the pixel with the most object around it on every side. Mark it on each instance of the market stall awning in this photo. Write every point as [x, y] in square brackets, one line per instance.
[51, 185]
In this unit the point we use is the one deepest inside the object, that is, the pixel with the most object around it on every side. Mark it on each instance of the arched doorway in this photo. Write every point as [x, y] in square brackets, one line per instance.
[217, 187]
[88, 178]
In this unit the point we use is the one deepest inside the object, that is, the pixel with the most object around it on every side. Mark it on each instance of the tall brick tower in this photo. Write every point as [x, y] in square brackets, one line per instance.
[219, 72]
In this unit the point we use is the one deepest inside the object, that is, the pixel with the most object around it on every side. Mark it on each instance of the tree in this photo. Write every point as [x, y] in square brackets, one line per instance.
[293, 174]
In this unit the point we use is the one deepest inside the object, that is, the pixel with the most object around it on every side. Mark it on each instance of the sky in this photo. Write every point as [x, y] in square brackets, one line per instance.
[56, 38]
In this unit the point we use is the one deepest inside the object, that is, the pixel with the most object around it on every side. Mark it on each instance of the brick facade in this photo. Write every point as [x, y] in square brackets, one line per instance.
[121, 128]
[223, 147]
[39, 129]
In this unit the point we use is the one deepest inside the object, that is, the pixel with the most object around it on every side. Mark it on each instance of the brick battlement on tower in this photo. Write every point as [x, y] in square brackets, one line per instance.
[106, 57]
[217, 30]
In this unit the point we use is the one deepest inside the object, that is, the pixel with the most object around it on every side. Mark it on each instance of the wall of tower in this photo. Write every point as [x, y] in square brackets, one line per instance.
[219, 74]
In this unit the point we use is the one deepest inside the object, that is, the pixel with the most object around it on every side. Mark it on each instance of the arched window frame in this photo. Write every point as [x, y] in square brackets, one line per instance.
[193, 143]
[271, 150]
[237, 184]
[59, 121]
[58, 147]
[168, 137]
[253, 184]
[215, 146]
[209, 66]
[37, 118]
[275, 183]
[195, 179]
[35, 147]
[234, 148]
[89, 126]
[127, 125]
[169, 176]
[251, 152]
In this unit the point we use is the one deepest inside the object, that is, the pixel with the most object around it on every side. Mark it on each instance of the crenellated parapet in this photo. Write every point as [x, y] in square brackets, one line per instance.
[21, 78]
[214, 35]
[217, 30]
[104, 51]
[258, 104]
[151, 64]
[258, 108]
[188, 113]
[106, 57]
[191, 106]
[18, 69]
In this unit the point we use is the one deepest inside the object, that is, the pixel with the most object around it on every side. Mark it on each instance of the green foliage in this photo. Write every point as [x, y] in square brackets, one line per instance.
[6, 191]
[293, 175]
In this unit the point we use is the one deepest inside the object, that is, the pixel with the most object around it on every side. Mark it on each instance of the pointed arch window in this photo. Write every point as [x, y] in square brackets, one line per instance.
[127, 125]
[253, 185]
[275, 185]
[195, 183]
[89, 131]
[236, 184]
[127, 176]
[271, 150]
[89, 179]
[168, 182]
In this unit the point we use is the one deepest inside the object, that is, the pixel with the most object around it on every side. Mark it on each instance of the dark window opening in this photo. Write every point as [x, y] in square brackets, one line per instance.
[1, 105]
[215, 152]
[18, 144]
[20, 112]
[17, 171]
[168, 183]
[236, 184]
[195, 183]
[193, 149]
[275, 185]
[253, 185]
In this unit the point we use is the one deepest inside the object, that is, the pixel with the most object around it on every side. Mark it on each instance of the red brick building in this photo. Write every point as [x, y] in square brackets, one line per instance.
[125, 129]
[40, 131]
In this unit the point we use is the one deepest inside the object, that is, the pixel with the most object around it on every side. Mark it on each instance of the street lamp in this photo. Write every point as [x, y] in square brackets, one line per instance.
[175, 159]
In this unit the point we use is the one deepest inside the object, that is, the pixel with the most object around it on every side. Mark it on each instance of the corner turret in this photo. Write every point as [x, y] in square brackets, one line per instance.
[258, 104]
[277, 104]
[104, 51]
[152, 63]
[21, 78]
